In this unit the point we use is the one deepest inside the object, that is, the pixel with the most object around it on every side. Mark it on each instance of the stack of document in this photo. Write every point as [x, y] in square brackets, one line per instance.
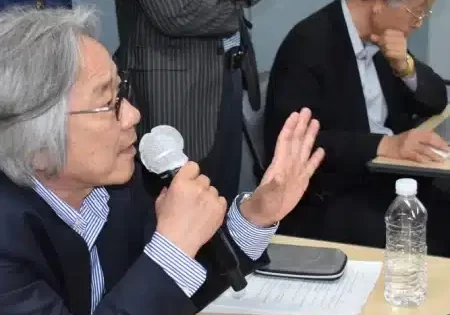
[267, 295]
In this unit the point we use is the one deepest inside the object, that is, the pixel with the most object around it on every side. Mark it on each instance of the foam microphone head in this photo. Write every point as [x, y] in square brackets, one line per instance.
[161, 150]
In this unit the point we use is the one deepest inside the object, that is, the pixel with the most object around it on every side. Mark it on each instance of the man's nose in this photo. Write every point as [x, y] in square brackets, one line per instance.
[130, 115]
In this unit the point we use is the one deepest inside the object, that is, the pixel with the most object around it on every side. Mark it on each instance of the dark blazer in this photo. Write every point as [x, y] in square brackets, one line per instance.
[45, 267]
[316, 67]
[175, 53]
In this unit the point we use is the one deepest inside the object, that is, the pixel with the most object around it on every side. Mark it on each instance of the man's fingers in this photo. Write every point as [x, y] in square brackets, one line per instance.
[375, 39]
[394, 54]
[396, 49]
[392, 43]
[223, 202]
[203, 181]
[302, 123]
[190, 170]
[388, 36]
[421, 158]
[213, 191]
[300, 130]
[289, 126]
[161, 196]
[435, 141]
[308, 141]
[285, 137]
[429, 153]
[393, 36]
[394, 33]
[313, 163]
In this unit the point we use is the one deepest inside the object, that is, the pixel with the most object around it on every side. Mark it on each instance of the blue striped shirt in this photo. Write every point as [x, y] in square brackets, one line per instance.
[232, 41]
[187, 273]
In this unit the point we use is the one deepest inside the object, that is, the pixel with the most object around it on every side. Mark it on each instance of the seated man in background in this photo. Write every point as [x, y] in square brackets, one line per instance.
[349, 63]
[78, 233]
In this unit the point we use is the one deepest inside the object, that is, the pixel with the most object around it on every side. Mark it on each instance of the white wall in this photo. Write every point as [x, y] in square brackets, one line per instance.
[439, 38]
[272, 20]
[108, 35]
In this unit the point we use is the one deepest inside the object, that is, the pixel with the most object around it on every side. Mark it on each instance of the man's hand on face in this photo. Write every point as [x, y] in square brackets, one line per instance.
[190, 211]
[394, 46]
[415, 145]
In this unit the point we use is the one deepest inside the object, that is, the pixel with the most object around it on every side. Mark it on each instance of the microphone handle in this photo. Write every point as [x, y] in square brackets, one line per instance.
[168, 176]
[228, 260]
[223, 250]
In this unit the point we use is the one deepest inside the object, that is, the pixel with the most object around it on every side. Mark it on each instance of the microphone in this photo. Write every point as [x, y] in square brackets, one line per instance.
[161, 152]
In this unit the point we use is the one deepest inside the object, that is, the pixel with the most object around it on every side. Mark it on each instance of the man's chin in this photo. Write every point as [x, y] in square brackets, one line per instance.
[124, 174]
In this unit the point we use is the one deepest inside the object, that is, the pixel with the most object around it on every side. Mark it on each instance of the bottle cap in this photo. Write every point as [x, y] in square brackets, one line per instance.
[406, 187]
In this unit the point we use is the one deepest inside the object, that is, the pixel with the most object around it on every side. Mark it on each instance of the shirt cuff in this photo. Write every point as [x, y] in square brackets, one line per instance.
[411, 82]
[187, 273]
[253, 240]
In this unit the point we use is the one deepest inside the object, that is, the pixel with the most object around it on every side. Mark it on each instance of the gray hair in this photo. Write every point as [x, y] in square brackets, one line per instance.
[39, 63]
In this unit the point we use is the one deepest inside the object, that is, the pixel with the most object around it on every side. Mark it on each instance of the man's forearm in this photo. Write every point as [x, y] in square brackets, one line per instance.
[411, 82]
[430, 96]
[188, 274]
[251, 239]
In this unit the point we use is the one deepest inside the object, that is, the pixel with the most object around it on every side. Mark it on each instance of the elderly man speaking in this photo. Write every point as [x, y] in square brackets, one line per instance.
[78, 233]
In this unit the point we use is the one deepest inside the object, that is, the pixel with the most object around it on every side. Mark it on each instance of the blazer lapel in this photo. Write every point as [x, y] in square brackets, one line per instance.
[390, 87]
[113, 241]
[71, 252]
[347, 78]
[122, 239]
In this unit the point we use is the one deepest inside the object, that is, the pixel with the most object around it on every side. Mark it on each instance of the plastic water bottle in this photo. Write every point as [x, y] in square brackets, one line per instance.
[405, 268]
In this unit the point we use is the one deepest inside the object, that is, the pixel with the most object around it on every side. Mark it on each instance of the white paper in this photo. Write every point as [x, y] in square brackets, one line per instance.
[267, 295]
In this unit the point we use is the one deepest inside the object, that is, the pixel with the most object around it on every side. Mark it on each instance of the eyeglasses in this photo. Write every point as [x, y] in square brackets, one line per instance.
[124, 91]
[419, 17]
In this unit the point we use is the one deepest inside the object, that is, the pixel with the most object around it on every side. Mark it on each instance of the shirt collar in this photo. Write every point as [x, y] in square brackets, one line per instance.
[96, 202]
[362, 50]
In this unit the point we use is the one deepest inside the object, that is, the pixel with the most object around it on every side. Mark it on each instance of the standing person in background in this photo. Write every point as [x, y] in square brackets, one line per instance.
[40, 4]
[189, 62]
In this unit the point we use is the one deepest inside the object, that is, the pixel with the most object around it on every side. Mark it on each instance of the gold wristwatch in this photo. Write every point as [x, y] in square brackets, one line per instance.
[410, 69]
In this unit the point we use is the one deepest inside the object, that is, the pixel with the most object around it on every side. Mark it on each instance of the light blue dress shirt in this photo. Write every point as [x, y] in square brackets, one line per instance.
[377, 110]
[188, 274]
